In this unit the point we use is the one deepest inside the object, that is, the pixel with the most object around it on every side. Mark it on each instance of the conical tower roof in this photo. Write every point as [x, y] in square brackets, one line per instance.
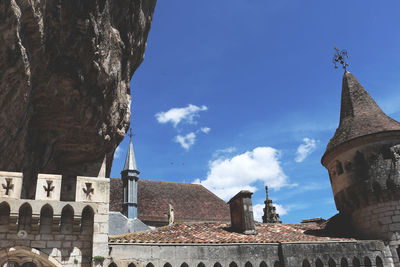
[359, 114]
[130, 161]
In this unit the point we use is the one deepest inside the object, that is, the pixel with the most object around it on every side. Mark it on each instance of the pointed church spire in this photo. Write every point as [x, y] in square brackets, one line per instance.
[130, 177]
[359, 114]
[130, 161]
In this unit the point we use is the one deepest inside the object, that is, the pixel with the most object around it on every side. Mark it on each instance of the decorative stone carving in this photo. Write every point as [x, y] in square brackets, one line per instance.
[270, 215]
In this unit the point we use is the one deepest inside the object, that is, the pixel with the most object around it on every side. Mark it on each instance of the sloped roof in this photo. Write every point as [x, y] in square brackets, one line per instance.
[220, 233]
[130, 161]
[359, 114]
[191, 202]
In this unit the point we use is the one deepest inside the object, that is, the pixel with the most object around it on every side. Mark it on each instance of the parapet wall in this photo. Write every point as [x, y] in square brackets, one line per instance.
[295, 254]
[71, 232]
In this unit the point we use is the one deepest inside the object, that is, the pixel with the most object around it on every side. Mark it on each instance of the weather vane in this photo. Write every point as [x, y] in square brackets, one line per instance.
[340, 57]
[130, 133]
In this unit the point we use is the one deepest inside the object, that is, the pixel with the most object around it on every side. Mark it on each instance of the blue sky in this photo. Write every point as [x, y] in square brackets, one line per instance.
[229, 91]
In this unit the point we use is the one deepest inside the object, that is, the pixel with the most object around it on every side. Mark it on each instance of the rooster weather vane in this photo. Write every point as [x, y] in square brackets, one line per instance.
[340, 57]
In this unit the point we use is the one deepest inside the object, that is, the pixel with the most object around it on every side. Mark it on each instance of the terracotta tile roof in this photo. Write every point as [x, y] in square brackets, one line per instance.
[219, 233]
[116, 194]
[191, 202]
[359, 114]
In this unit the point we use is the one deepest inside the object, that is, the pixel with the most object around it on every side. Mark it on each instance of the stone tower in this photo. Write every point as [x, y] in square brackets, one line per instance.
[130, 177]
[270, 215]
[363, 161]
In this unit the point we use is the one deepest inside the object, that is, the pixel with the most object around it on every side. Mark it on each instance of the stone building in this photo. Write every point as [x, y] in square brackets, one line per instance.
[363, 164]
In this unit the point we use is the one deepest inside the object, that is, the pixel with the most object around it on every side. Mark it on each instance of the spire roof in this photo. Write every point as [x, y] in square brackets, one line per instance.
[359, 114]
[130, 161]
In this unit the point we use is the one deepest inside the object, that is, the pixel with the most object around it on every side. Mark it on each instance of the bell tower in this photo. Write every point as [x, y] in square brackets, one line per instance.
[130, 177]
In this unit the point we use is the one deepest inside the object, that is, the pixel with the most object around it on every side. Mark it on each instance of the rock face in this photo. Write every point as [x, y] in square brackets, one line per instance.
[65, 67]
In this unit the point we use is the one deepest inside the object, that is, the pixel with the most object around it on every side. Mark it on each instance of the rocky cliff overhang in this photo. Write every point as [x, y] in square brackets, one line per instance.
[65, 68]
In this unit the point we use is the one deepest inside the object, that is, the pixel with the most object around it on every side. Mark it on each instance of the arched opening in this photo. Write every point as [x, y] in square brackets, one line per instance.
[331, 263]
[248, 264]
[149, 264]
[11, 264]
[217, 264]
[233, 264]
[356, 262]
[201, 265]
[132, 265]
[184, 264]
[112, 264]
[318, 263]
[87, 221]
[378, 261]
[46, 219]
[263, 264]
[25, 218]
[21, 256]
[4, 217]
[344, 263]
[277, 264]
[305, 263]
[67, 220]
[367, 262]
[167, 265]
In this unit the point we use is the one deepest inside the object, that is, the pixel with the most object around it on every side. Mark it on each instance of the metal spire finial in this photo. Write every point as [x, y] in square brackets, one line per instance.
[340, 57]
[130, 133]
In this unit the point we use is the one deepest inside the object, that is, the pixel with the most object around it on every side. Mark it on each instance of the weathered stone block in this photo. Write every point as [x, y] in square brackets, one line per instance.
[54, 244]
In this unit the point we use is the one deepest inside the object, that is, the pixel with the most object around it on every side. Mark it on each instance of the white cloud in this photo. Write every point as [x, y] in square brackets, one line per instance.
[227, 176]
[117, 152]
[258, 212]
[177, 115]
[281, 210]
[305, 149]
[205, 130]
[186, 141]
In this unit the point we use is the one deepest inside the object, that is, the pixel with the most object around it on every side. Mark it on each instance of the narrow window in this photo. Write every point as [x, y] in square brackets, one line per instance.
[356, 262]
[318, 263]
[87, 221]
[67, 220]
[367, 262]
[379, 262]
[4, 217]
[306, 263]
[25, 218]
[46, 219]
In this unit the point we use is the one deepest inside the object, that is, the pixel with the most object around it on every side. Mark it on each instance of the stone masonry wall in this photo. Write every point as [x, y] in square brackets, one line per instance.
[249, 255]
[158, 255]
[69, 232]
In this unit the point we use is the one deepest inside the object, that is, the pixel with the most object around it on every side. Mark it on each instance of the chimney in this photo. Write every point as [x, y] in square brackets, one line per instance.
[242, 219]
